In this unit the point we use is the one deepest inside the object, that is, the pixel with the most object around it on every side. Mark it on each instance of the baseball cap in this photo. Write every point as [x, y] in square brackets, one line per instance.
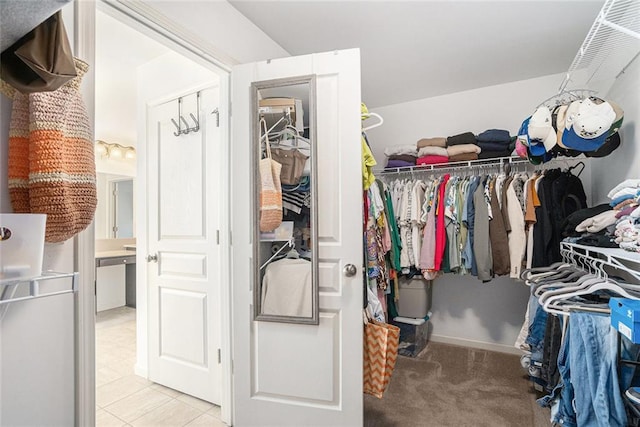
[523, 133]
[617, 122]
[542, 136]
[558, 122]
[571, 114]
[590, 124]
[610, 144]
[594, 119]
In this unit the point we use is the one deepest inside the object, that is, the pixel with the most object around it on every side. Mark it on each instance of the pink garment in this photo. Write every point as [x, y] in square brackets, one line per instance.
[441, 232]
[521, 150]
[626, 211]
[432, 160]
[386, 237]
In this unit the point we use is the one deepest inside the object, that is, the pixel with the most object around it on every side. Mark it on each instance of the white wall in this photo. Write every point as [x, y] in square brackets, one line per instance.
[502, 107]
[37, 336]
[163, 78]
[464, 308]
[625, 161]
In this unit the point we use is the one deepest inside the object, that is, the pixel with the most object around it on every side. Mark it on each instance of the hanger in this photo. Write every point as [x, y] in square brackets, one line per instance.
[602, 285]
[576, 166]
[375, 125]
[549, 290]
[293, 132]
[293, 253]
[268, 132]
[289, 243]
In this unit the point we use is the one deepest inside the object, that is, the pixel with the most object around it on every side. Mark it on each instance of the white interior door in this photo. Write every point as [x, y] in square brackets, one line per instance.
[184, 278]
[301, 375]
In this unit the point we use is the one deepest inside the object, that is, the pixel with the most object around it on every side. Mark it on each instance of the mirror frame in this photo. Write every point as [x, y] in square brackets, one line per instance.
[256, 286]
[113, 211]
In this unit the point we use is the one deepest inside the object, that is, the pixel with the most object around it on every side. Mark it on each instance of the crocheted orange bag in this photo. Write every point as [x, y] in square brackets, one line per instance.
[51, 158]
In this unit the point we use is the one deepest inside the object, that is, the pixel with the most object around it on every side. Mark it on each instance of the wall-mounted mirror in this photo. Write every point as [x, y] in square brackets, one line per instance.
[285, 208]
[115, 212]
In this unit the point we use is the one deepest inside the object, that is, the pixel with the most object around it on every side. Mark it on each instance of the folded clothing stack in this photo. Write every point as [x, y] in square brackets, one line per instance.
[625, 197]
[400, 156]
[432, 155]
[463, 152]
[495, 143]
[613, 224]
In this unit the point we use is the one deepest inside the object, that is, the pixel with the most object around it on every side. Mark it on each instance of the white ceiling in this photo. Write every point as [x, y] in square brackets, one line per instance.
[420, 49]
[120, 50]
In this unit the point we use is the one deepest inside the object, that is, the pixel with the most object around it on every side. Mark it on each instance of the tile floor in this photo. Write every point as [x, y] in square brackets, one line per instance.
[125, 399]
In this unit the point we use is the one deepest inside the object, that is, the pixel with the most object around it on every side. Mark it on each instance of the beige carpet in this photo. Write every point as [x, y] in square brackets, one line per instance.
[448, 385]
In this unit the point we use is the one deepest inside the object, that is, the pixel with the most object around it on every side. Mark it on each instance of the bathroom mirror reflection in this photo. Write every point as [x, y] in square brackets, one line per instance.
[115, 213]
[285, 208]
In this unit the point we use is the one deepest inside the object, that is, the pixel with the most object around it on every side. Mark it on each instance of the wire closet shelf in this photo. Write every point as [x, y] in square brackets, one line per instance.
[479, 165]
[598, 260]
[611, 45]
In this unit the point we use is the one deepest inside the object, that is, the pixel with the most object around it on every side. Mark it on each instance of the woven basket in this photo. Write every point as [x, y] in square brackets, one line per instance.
[51, 158]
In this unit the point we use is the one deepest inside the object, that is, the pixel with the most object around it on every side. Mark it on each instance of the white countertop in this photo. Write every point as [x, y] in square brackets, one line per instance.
[114, 254]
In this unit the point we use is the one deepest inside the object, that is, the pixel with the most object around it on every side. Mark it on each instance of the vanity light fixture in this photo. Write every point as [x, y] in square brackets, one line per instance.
[113, 150]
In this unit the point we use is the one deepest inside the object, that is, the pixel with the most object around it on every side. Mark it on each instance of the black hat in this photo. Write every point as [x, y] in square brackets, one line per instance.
[612, 143]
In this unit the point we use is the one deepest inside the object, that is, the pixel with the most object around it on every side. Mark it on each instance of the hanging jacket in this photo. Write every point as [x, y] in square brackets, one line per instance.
[498, 236]
[481, 241]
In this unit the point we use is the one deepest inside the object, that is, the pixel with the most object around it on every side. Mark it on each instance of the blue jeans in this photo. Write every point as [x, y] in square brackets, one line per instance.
[592, 356]
[561, 398]
[535, 339]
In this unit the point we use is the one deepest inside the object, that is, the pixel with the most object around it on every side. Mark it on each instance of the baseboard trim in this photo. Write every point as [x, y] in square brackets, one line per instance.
[501, 348]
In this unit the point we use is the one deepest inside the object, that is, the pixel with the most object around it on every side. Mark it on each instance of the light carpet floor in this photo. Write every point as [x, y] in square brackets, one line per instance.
[448, 385]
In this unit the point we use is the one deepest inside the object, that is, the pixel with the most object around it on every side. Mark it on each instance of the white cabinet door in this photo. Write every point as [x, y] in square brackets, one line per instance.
[302, 375]
[184, 280]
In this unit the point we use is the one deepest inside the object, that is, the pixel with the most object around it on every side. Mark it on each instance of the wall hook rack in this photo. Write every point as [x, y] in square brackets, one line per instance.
[180, 130]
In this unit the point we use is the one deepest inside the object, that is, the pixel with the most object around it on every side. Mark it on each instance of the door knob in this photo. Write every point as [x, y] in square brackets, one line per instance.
[350, 270]
[153, 258]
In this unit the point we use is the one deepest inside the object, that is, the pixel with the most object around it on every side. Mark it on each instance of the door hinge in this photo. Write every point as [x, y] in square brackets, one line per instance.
[230, 239]
[230, 110]
[218, 237]
[219, 357]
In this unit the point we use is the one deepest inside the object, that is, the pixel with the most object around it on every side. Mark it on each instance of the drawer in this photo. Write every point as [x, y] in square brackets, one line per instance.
[105, 262]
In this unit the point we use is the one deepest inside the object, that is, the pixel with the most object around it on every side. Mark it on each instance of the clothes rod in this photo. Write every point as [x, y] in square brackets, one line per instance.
[481, 163]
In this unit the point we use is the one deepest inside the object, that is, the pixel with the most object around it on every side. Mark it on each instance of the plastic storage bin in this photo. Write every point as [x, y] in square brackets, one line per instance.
[413, 337]
[414, 299]
[21, 245]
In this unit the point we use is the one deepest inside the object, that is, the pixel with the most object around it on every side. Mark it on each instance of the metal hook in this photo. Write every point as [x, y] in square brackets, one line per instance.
[177, 127]
[178, 124]
[197, 122]
[186, 124]
[197, 126]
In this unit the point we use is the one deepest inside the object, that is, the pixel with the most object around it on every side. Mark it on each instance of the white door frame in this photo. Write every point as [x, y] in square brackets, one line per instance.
[146, 20]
